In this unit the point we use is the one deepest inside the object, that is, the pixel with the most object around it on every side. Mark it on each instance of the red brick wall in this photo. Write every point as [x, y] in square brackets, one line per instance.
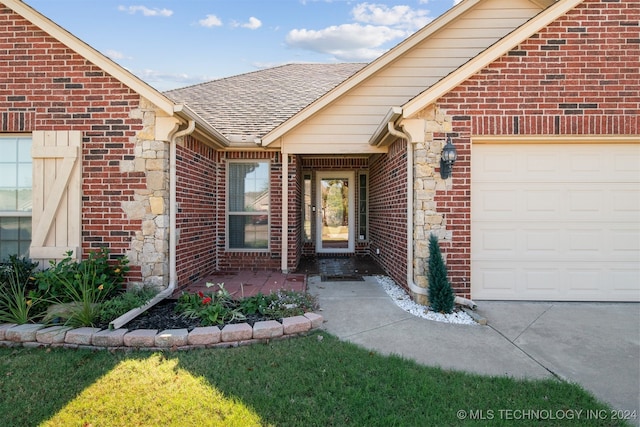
[578, 76]
[196, 218]
[388, 211]
[295, 232]
[46, 86]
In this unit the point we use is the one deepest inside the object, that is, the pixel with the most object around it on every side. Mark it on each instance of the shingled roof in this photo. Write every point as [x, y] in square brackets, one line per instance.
[251, 105]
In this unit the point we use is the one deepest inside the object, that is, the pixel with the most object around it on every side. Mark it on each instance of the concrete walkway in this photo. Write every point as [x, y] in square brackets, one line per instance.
[596, 345]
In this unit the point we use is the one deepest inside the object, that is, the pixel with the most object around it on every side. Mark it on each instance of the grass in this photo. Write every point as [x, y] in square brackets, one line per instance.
[304, 381]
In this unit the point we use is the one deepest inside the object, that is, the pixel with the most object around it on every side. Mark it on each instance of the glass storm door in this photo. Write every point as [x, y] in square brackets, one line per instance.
[335, 213]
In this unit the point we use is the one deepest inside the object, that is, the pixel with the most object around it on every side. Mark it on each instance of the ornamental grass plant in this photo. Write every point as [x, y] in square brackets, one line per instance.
[18, 302]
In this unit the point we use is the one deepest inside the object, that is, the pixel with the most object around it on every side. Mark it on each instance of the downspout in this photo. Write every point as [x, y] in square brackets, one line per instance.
[173, 276]
[173, 204]
[399, 134]
[415, 288]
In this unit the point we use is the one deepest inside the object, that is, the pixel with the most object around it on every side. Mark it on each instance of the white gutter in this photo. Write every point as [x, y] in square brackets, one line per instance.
[173, 277]
[383, 128]
[395, 132]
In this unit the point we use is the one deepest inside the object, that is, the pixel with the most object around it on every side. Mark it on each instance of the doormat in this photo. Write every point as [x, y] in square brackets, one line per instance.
[341, 278]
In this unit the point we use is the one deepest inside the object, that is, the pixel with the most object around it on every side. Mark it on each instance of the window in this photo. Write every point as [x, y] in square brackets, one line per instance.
[307, 208]
[248, 205]
[15, 196]
[363, 208]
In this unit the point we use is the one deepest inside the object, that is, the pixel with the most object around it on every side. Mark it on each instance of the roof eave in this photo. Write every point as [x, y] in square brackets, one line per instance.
[207, 132]
[498, 49]
[368, 71]
[382, 134]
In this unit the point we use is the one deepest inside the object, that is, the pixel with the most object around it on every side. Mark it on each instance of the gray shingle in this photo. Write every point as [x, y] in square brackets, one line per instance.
[255, 103]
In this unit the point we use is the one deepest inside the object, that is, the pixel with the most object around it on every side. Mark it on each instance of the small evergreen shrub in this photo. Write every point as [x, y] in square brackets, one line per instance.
[441, 296]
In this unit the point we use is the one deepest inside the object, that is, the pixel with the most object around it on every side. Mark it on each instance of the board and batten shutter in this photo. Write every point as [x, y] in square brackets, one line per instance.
[57, 195]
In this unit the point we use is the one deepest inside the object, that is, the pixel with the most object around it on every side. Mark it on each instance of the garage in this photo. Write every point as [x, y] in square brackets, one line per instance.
[555, 222]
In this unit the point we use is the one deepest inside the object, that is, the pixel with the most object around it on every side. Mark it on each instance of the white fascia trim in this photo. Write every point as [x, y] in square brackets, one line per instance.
[383, 128]
[491, 54]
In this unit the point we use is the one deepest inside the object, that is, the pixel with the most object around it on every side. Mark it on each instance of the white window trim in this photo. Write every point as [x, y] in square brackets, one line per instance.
[228, 213]
[16, 213]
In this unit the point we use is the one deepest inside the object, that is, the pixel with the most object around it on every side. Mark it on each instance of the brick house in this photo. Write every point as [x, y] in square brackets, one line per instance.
[540, 99]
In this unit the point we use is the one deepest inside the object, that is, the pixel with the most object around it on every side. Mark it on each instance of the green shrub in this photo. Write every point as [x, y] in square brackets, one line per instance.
[216, 308]
[79, 287]
[284, 303]
[256, 304]
[219, 307]
[18, 304]
[67, 279]
[23, 267]
[121, 304]
[441, 296]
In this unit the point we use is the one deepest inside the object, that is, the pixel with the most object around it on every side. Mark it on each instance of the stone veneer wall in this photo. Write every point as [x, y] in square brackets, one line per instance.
[436, 200]
[150, 203]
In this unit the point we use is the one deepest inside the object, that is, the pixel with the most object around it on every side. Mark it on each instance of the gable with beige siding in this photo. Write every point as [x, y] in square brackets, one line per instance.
[346, 124]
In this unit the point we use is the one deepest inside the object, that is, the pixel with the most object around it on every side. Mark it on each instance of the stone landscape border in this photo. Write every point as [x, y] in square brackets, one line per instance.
[34, 335]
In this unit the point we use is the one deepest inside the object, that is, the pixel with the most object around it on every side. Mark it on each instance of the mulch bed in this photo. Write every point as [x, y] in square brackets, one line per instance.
[163, 316]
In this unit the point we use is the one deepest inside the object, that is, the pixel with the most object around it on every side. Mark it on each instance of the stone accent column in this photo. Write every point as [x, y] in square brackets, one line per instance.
[150, 245]
[427, 182]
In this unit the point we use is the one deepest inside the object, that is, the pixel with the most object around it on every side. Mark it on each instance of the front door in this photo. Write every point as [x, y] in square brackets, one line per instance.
[335, 216]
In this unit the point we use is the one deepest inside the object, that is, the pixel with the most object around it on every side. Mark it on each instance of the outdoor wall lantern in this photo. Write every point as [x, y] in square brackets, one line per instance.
[447, 159]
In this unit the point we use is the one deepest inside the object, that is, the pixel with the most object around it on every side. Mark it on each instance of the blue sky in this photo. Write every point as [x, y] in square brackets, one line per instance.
[177, 43]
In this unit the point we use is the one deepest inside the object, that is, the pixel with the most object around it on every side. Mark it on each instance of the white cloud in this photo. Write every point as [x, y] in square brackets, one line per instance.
[145, 11]
[400, 16]
[167, 81]
[253, 24]
[114, 54]
[210, 21]
[375, 27]
[345, 42]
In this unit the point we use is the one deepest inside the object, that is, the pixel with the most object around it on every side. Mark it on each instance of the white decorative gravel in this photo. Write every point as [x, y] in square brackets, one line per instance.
[402, 300]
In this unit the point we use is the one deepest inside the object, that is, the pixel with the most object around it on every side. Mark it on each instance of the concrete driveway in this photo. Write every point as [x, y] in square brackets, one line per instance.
[596, 345]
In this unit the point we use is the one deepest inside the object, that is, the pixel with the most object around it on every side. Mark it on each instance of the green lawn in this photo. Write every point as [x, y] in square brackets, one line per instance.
[315, 380]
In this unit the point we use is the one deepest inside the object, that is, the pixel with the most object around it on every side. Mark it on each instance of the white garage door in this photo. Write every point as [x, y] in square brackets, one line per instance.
[555, 222]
